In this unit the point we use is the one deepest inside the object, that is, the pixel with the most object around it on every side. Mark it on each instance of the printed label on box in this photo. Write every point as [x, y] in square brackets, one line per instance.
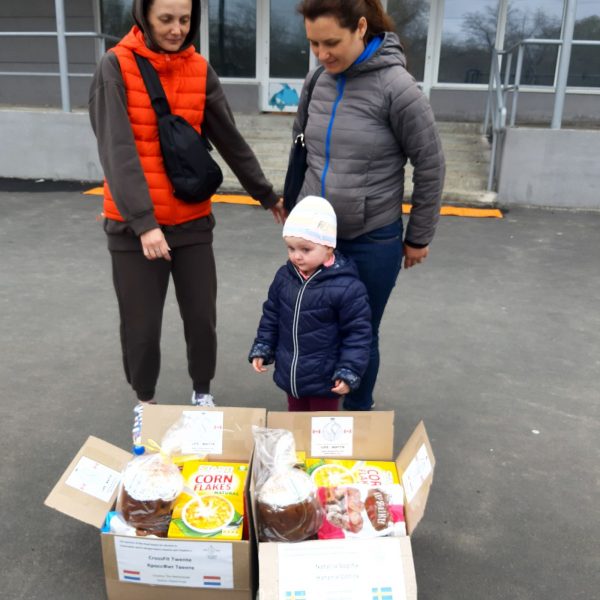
[182, 564]
[416, 473]
[209, 425]
[94, 479]
[332, 436]
[339, 572]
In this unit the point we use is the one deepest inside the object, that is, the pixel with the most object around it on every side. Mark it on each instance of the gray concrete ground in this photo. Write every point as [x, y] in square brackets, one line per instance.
[494, 343]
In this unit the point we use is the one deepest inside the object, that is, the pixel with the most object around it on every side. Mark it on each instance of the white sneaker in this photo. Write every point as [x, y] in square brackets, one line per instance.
[206, 400]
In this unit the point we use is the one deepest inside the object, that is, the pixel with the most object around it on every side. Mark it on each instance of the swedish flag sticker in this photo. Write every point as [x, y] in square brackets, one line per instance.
[298, 595]
[383, 593]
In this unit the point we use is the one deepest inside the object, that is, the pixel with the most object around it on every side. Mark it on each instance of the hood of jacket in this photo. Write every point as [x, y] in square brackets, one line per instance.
[389, 53]
[342, 266]
[139, 12]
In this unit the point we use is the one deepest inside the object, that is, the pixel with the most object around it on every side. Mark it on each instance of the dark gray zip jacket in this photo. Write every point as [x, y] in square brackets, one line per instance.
[363, 125]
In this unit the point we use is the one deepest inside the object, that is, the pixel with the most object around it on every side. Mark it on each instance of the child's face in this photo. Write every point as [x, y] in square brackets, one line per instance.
[307, 256]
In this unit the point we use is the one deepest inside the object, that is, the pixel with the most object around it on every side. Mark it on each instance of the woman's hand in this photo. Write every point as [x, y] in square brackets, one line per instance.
[340, 387]
[279, 212]
[155, 245]
[257, 364]
[414, 256]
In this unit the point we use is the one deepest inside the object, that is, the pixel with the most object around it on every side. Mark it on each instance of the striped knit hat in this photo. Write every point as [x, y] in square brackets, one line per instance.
[312, 219]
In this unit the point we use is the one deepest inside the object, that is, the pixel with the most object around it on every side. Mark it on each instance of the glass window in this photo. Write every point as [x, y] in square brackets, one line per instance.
[585, 60]
[116, 18]
[289, 49]
[412, 20]
[232, 33]
[535, 19]
[468, 37]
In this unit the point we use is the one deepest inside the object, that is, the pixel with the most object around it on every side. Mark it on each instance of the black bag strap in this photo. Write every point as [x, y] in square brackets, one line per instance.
[311, 87]
[153, 86]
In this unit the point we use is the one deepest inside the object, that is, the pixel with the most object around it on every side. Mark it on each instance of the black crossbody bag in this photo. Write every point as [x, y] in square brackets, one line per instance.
[294, 177]
[193, 172]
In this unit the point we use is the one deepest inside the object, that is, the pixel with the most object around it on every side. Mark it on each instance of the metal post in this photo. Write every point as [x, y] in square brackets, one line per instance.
[63, 63]
[434, 41]
[513, 114]
[564, 63]
[501, 24]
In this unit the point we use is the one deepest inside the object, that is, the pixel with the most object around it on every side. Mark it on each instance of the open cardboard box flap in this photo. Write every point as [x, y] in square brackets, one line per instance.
[78, 504]
[238, 440]
[373, 432]
[415, 465]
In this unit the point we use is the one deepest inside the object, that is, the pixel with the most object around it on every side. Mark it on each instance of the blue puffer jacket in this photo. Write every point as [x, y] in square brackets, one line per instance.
[316, 330]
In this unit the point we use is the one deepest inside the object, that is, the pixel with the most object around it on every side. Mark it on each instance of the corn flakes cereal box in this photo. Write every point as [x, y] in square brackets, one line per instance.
[216, 510]
[327, 472]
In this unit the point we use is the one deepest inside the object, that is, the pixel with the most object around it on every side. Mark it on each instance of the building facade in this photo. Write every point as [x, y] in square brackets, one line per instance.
[259, 50]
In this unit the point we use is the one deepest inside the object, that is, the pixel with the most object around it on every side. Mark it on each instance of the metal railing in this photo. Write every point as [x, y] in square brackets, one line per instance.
[498, 112]
[63, 62]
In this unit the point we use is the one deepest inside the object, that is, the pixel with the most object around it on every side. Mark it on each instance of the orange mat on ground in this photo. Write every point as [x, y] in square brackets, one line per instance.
[451, 211]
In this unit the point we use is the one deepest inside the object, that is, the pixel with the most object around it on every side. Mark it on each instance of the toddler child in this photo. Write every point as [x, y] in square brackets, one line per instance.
[316, 321]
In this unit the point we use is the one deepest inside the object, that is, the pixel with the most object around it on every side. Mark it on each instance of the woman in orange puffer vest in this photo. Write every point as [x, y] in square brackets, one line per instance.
[151, 234]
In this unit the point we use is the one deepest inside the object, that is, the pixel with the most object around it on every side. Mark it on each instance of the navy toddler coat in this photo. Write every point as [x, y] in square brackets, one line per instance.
[316, 330]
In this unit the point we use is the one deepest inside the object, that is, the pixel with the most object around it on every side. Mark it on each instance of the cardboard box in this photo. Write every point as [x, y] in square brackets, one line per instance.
[350, 569]
[153, 569]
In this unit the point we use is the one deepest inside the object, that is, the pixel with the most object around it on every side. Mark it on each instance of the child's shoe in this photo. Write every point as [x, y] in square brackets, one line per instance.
[205, 400]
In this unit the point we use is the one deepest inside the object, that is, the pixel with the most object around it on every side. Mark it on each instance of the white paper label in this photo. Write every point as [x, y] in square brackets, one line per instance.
[332, 436]
[347, 571]
[416, 473]
[94, 478]
[209, 428]
[181, 564]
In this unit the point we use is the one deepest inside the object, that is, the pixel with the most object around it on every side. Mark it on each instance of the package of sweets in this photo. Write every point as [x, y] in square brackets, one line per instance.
[215, 509]
[361, 511]
[331, 472]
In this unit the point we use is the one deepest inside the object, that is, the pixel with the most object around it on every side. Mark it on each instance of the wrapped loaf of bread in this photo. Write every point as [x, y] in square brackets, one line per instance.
[288, 509]
[149, 488]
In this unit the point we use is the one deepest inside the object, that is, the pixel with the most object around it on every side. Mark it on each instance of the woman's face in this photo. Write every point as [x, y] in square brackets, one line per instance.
[336, 47]
[169, 22]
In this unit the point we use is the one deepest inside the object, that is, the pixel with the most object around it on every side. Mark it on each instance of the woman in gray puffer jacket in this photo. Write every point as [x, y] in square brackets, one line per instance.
[366, 118]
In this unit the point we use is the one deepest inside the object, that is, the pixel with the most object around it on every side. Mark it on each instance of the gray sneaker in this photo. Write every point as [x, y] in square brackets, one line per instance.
[205, 400]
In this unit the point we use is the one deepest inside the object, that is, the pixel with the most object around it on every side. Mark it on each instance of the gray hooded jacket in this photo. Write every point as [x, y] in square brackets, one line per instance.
[362, 127]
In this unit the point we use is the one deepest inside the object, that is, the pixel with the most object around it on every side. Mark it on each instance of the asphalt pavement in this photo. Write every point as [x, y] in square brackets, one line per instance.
[494, 343]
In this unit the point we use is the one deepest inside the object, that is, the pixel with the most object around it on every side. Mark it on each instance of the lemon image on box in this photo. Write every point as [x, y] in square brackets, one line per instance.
[328, 472]
[216, 511]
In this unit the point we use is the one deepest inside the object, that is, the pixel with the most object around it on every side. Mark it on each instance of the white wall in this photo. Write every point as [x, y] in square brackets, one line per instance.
[48, 144]
[545, 167]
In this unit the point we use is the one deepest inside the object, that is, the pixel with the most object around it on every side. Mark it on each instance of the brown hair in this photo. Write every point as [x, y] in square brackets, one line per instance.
[348, 13]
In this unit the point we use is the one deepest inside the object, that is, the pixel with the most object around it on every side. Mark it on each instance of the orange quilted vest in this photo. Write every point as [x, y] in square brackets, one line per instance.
[183, 77]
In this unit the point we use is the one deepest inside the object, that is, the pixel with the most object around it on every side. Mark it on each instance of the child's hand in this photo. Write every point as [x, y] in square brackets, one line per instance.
[340, 387]
[257, 364]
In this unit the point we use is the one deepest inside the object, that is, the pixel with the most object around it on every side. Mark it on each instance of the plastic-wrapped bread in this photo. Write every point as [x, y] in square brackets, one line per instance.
[288, 509]
[149, 488]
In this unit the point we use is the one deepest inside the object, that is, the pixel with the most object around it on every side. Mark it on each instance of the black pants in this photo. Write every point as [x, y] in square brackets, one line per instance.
[141, 287]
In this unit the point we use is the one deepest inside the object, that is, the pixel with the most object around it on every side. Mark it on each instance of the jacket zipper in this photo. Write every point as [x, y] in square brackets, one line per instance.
[341, 84]
[295, 341]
